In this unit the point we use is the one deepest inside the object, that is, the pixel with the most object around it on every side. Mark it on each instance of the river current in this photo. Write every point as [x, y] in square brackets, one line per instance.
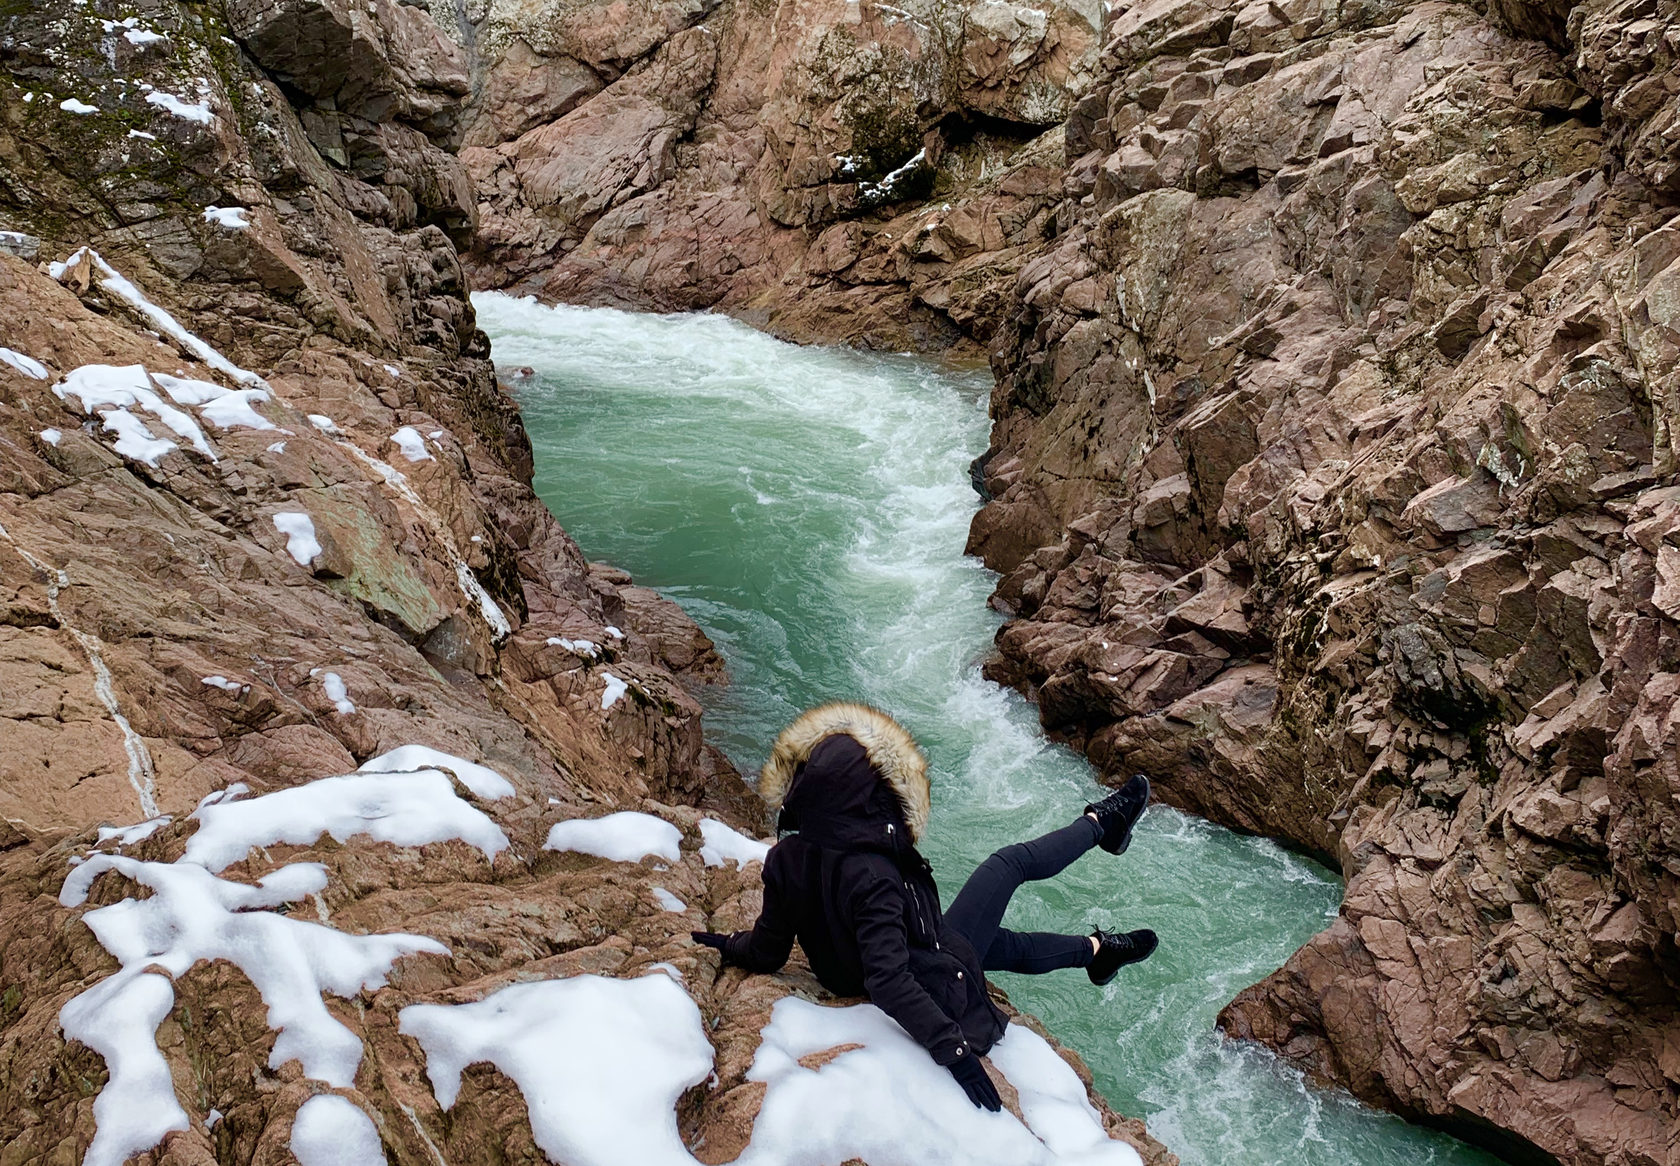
[808, 507]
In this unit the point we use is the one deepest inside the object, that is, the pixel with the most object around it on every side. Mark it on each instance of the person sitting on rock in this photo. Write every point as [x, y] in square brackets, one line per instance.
[847, 881]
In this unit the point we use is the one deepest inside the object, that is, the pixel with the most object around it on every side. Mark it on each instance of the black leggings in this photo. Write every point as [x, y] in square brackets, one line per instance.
[978, 910]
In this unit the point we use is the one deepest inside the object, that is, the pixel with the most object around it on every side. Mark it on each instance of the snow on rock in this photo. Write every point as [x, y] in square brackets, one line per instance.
[129, 835]
[190, 111]
[1054, 1101]
[330, 1130]
[51, 436]
[299, 530]
[231, 217]
[106, 387]
[115, 283]
[223, 408]
[71, 105]
[27, 365]
[723, 844]
[588, 648]
[192, 915]
[669, 901]
[405, 809]
[118, 1019]
[134, 440]
[614, 632]
[626, 836]
[889, 1104]
[336, 691]
[483, 781]
[615, 689]
[324, 423]
[412, 445]
[601, 1062]
[223, 683]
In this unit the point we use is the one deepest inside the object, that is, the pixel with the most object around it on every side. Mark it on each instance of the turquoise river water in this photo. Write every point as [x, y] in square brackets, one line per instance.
[808, 507]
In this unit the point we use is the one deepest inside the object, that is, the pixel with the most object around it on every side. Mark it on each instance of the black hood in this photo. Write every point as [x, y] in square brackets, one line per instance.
[838, 800]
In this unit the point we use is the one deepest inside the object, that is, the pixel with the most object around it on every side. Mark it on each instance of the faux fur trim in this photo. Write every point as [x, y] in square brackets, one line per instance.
[891, 748]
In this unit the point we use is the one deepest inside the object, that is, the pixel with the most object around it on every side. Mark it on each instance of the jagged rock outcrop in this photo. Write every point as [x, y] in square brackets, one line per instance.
[1334, 483]
[827, 169]
[269, 558]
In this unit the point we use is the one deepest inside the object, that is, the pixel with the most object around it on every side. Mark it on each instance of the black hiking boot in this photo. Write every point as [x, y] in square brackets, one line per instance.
[1116, 951]
[1119, 812]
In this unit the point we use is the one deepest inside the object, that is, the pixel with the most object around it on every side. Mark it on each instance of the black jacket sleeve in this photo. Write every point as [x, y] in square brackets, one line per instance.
[766, 947]
[876, 906]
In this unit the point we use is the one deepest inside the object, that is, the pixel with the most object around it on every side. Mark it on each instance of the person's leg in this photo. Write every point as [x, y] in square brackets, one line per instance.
[1034, 952]
[978, 908]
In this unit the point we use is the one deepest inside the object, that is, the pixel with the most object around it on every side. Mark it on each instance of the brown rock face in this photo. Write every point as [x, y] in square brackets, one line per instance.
[265, 516]
[829, 170]
[1333, 480]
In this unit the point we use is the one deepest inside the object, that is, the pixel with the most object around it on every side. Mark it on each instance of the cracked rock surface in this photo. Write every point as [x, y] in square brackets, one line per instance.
[1333, 480]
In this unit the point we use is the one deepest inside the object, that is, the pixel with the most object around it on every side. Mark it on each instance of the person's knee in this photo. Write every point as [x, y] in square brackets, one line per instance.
[1011, 860]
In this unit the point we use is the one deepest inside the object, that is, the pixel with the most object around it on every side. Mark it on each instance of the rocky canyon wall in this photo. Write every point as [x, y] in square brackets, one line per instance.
[832, 170]
[296, 673]
[1333, 481]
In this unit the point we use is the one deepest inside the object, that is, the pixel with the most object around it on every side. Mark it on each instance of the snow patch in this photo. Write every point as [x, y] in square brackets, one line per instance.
[231, 217]
[614, 632]
[615, 689]
[27, 365]
[669, 901]
[198, 112]
[113, 391]
[118, 1019]
[129, 835]
[404, 809]
[226, 685]
[723, 844]
[412, 445]
[626, 836]
[134, 440]
[601, 1062]
[330, 1130]
[336, 691]
[889, 1104]
[299, 530]
[324, 424]
[193, 916]
[577, 647]
[71, 105]
[223, 408]
[51, 436]
[483, 781]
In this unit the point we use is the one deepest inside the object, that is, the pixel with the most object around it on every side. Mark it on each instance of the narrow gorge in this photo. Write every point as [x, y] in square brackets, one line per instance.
[1317, 366]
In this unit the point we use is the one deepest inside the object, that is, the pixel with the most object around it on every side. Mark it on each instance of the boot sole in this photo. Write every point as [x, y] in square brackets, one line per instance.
[1126, 838]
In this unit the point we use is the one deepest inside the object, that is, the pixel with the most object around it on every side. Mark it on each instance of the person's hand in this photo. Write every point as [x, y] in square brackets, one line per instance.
[971, 1075]
[709, 939]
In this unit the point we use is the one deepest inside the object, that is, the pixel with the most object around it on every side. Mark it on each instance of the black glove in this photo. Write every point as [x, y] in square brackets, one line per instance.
[709, 939]
[971, 1075]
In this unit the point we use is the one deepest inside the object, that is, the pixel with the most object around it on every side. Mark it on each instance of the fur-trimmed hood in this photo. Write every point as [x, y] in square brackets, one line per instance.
[892, 752]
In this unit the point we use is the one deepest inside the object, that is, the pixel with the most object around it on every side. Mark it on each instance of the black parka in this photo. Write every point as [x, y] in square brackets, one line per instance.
[849, 884]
